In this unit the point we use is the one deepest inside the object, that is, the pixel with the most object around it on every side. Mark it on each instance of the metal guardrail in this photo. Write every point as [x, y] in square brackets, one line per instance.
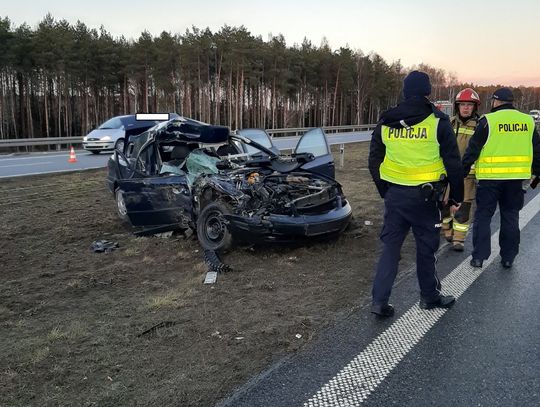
[59, 141]
[328, 129]
[45, 141]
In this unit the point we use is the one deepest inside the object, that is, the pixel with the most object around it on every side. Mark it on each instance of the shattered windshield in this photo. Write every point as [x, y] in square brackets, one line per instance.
[198, 162]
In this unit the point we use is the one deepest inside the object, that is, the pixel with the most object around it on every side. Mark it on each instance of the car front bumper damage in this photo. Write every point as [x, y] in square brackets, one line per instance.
[285, 227]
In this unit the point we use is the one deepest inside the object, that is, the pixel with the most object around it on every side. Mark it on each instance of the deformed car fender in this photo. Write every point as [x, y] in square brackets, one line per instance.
[217, 188]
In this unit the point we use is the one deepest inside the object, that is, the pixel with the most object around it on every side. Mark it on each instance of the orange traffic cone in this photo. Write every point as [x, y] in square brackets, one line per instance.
[72, 157]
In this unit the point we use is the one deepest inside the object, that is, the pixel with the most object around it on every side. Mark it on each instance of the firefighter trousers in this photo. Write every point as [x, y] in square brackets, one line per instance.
[406, 208]
[455, 228]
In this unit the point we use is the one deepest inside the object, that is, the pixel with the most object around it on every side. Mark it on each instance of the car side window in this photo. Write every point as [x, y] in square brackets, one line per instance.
[314, 142]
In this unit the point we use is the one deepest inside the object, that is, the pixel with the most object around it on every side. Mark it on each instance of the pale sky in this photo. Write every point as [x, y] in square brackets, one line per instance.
[484, 42]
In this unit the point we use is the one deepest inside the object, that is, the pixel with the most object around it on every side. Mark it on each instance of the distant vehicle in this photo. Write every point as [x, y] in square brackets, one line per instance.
[535, 115]
[227, 187]
[445, 106]
[114, 133]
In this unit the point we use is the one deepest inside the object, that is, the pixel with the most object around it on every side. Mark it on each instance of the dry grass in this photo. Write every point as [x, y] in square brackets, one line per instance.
[166, 300]
[55, 334]
[40, 355]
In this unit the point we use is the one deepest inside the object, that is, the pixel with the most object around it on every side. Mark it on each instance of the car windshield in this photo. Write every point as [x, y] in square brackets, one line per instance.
[114, 123]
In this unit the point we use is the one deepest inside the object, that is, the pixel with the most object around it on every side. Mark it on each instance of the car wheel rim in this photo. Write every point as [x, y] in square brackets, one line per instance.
[121, 204]
[215, 227]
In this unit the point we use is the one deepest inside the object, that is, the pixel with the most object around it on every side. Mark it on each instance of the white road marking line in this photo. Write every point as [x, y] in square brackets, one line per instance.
[356, 381]
[46, 156]
[51, 172]
[25, 165]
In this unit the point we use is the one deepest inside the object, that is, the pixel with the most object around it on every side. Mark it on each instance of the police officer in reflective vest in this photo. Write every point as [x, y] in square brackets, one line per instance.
[506, 149]
[456, 225]
[412, 149]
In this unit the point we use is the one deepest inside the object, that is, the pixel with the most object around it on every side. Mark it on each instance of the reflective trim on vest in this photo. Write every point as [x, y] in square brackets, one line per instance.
[507, 153]
[465, 131]
[505, 170]
[505, 159]
[412, 154]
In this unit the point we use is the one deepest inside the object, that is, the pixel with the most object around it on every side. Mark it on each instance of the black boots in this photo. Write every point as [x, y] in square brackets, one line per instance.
[386, 310]
[476, 262]
[444, 301]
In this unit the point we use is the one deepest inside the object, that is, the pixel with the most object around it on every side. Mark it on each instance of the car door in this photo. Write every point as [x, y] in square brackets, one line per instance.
[315, 142]
[152, 199]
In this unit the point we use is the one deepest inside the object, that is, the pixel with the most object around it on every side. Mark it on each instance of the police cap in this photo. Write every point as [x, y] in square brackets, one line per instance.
[503, 94]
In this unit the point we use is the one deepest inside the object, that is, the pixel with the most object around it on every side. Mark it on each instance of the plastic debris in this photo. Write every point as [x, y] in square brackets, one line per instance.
[211, 277]
[100, 246]
[298, 336]
[368, 223]
[164, 235]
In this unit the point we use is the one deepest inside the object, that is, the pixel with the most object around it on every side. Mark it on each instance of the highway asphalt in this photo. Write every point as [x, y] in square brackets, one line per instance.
[16, 165]
[485, 351]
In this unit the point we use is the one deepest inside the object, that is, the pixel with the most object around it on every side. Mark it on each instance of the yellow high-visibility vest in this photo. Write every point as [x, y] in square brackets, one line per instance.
[412, 154]
[508, 152]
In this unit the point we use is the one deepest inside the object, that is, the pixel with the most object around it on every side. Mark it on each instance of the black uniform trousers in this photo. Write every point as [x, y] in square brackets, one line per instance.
[509, 194]
[406, 208]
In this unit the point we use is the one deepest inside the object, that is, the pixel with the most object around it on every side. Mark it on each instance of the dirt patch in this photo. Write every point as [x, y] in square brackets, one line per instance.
[136, 326]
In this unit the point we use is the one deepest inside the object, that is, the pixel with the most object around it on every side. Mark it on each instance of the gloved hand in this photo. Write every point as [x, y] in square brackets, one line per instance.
[454, 208]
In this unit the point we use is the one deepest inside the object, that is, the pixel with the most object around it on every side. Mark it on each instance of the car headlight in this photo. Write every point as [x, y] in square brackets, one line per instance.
[106, 138]
[85, 138]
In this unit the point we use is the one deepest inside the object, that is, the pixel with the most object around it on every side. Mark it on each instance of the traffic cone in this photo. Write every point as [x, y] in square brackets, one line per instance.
[72, 157]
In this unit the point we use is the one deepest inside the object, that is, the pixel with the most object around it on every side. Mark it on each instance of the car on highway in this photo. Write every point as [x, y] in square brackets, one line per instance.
[227, 187]
[535, 115]
[113, 133]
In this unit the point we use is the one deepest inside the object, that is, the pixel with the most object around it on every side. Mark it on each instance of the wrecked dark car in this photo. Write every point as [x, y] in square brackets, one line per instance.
[227, 187]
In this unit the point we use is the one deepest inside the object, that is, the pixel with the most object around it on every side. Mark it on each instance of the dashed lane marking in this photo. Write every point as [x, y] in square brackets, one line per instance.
[356, 381]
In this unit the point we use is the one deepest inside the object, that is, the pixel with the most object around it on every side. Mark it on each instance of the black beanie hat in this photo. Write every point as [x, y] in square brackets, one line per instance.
[416, 84]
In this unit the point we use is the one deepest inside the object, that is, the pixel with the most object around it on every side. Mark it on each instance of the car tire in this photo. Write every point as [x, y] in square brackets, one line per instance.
[119, 145]
[121, 205]
[212, 229]
[94, 151]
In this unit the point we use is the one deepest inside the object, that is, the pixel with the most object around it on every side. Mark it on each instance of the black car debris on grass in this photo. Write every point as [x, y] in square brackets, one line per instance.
[228, 187]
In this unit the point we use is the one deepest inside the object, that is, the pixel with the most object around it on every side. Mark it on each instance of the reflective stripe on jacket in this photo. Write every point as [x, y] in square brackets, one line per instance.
[464, 131]
[412, 153]
[508, 151]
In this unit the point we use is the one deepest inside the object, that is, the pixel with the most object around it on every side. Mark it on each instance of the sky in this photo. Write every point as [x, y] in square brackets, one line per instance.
[481, 42]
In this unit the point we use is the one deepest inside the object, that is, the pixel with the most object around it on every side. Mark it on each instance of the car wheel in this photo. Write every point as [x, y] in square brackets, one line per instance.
[212, 229]
[121, 205]
[119, 145]
[94, 151]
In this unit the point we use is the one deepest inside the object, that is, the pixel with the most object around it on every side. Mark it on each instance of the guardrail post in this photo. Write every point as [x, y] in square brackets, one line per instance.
[341, 155]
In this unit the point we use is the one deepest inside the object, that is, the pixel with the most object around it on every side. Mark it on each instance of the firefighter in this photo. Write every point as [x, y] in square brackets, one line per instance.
[456, 226]
[506, 149]
[413, 148]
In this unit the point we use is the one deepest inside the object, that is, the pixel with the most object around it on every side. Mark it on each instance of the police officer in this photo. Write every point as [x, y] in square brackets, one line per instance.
[412, 148]
[456, 226]
[505, 146]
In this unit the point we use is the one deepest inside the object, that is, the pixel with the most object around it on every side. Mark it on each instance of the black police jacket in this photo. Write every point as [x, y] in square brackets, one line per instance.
[479, 139]
[413, 111]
